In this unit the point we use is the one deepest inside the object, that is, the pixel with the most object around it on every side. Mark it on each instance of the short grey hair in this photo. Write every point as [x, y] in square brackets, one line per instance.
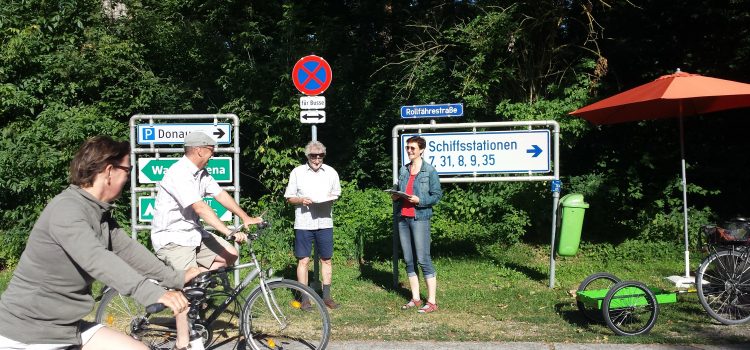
[312, 145]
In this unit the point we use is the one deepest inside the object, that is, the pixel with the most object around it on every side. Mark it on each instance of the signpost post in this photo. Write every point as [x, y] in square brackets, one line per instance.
[517, 155]
[312, 75]
[164, 135]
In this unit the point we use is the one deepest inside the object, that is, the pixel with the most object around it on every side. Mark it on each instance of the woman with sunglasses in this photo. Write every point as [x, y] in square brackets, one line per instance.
[74, 242]
[420, 181]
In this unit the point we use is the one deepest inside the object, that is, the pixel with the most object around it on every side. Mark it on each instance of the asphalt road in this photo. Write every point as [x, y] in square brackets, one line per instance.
[372, 345]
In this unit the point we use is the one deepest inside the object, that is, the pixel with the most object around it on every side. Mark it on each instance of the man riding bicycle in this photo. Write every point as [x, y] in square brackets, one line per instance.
[177, 235]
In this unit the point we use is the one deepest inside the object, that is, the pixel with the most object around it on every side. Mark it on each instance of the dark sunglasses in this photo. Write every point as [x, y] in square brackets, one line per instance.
[413, 148]
[316, 155]
[128, 169]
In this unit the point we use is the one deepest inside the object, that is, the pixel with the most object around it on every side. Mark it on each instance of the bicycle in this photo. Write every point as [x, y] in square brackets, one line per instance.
[723, 278]
[277, 313]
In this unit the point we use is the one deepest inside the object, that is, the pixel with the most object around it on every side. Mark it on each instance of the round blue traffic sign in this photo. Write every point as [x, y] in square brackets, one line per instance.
[312, 75]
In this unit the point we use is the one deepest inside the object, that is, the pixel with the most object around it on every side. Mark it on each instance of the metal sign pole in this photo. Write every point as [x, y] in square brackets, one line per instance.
[315, 283]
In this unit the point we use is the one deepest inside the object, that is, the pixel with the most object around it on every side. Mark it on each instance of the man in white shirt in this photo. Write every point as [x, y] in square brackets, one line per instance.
[177, 234]
[312, 188]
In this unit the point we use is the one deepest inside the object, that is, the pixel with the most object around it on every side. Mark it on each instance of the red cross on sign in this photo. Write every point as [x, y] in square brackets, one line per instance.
[312, 75]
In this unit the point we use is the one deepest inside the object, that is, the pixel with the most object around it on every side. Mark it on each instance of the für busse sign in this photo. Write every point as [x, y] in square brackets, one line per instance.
[485, 152]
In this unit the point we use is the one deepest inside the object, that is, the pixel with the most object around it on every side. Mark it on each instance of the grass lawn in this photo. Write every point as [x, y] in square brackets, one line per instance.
[506, 298]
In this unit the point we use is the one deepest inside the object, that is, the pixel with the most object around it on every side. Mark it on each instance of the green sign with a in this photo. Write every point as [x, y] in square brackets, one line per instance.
[146, 208]
[152, 170]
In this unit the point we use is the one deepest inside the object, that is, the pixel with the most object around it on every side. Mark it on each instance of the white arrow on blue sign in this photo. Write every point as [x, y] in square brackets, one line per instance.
[432, 111]
[486, 152]
[175, 133]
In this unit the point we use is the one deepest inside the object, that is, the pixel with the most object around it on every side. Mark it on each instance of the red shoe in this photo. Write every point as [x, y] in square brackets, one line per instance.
[412, 303]
[428, 307]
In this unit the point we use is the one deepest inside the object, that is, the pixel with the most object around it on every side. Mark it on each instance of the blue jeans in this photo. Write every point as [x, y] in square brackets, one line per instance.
[415, 240]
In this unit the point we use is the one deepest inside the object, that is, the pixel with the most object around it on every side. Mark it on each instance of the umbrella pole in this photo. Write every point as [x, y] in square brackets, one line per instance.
[684, 196]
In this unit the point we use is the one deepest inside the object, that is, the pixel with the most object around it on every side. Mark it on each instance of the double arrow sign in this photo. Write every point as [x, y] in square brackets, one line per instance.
[312, 109]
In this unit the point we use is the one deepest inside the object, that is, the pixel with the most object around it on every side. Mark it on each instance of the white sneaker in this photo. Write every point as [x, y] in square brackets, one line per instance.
[196, 344]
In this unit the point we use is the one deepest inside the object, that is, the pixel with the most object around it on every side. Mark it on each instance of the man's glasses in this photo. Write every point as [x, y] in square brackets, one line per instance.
[122, 167]
[411, 148]
[316, 155]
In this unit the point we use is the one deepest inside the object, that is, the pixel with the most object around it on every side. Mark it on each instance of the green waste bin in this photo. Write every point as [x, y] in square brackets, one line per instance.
[573, 208]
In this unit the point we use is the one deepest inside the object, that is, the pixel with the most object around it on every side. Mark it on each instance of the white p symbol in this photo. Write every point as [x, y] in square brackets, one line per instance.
[148, 134]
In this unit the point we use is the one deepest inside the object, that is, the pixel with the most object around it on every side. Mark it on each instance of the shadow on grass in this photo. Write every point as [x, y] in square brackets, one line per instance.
[382, 279]
[290, 272]
[574, 317]
[530, 272]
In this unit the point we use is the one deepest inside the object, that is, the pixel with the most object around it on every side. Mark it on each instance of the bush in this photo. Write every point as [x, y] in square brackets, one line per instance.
[363, 223]
[479, 215]
[34, 159]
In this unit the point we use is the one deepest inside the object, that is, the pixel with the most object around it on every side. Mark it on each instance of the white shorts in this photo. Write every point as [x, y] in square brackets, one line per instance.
[91, 328]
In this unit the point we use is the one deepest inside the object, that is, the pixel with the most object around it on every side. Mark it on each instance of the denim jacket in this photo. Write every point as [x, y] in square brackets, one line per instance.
[426, 187]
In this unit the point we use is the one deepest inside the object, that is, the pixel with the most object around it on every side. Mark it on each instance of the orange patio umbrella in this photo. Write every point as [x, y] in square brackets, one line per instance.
[675, 95]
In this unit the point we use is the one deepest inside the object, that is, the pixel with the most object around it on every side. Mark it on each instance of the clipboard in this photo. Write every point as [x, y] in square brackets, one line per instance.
[319, 200]
[398, 193]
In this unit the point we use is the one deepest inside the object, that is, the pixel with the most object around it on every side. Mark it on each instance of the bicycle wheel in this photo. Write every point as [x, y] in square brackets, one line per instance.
[630, 308]
[126, 315]
[597, 281]
[723, 285]
[295, 326]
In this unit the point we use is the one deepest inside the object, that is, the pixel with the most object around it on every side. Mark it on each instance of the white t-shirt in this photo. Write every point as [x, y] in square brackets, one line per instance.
[175, 221]
[323, 187]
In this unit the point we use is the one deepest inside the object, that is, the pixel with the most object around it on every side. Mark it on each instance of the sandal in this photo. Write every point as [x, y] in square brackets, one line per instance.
[427, 308]
[412, 303]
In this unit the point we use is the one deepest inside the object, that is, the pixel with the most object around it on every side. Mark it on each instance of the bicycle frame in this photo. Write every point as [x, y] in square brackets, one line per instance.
[203, 289]
[234, 294]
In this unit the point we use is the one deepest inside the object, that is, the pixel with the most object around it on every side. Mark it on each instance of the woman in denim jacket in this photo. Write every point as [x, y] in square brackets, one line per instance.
[420, 181]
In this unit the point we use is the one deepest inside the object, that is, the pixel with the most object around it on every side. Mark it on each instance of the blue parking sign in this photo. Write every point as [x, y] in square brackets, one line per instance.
[149, 134]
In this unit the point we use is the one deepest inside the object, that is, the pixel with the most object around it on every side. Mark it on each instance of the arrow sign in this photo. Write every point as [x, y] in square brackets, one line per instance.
[159, 134]
[146, 209]
[312, 116]
[486, 152]
[152, 170]
[534, 149]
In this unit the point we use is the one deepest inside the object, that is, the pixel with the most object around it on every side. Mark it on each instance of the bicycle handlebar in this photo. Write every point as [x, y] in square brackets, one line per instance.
[154, 308]
[261, 226]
